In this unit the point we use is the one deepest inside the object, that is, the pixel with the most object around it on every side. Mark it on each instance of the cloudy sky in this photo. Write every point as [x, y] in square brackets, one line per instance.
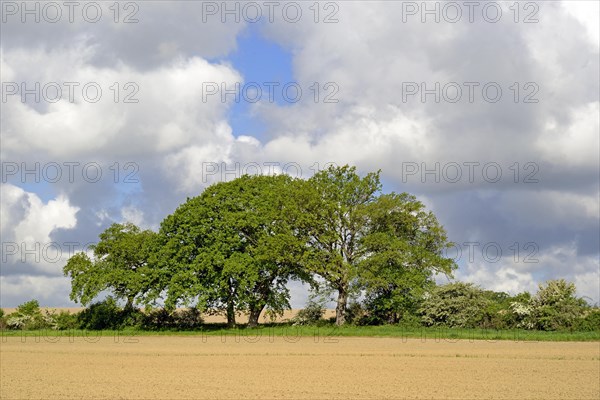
[488, 112]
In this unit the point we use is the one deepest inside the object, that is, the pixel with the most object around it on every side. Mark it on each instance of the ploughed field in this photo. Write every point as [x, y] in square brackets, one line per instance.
[196, 367]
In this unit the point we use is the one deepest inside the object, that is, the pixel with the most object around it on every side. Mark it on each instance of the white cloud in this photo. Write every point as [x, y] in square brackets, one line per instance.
[586, 12]
[575, 145]
[40, 219]
[169, 113]
[172, 133]
[30, 237]
[49, 291]
[559, 261]
[133, 215]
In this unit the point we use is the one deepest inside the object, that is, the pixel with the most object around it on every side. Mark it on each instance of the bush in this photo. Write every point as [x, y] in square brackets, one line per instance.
[102, 315]
[158, 319]
[161, 318]
[455, 305]
[188, 319]
[410, 321]
[355, 314]
[310, 315]
[64, 320]
[27, 316]
[590, 321]
[132, 317]
[555, 306]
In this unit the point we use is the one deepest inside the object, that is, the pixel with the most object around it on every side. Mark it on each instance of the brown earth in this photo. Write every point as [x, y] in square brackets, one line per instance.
[196, 367]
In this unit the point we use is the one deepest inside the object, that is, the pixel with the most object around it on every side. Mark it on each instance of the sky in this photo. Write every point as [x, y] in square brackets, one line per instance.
[487, 112]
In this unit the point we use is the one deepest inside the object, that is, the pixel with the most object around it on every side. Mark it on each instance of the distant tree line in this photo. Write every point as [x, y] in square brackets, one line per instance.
[234, 248]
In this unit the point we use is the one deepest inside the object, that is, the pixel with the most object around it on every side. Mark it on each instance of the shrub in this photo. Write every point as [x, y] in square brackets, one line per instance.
[555, 306]
[356, 314]
[158, 318]
[2, 319]
[459, 305]
[161, 318]
[590, 321]
[188, 319]
[310, 315]
[410, 321]
[31, 307]
[522, 314]
[102, 315]
[64, 320]
[27, 316]
[132, 317]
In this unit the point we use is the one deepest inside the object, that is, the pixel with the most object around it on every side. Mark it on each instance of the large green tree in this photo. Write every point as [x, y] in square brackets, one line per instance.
[119, 265]
[404, 247]
[359, 235]
[234, 247]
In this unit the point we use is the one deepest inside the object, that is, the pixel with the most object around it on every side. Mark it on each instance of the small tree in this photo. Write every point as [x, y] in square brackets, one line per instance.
[120, 265]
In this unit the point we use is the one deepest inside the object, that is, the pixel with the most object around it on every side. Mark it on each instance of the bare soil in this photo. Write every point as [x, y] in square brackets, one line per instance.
[228, 367]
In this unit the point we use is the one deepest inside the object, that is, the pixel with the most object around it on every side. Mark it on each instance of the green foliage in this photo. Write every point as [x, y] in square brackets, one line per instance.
[497, 314]
[105, 314]
[386, 243]
[233, 248]
[309, 315]
[356, 313]
[27, 316]
[589, 321]
[334, 204]
[555, 306]
[120, 265]
[187, 319]
[64, 320]
[454, 305]
[30, 308]
[157, 319]
[163, 319]
[405, 246]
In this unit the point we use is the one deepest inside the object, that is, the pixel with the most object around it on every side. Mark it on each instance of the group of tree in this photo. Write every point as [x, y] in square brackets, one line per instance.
[234, 248]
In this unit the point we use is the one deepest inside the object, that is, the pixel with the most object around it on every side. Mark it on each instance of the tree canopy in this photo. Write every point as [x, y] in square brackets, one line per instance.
[384, 243]
[235, 247]
[119, 265]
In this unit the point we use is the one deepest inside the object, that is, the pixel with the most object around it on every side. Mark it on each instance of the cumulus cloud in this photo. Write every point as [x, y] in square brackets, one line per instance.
[27, 240]
[375, 59]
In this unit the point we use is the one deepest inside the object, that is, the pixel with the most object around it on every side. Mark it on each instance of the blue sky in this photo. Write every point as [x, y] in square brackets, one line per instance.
[258, 60]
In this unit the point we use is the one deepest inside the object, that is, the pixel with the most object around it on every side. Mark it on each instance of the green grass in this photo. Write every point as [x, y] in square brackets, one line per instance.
[323, 333]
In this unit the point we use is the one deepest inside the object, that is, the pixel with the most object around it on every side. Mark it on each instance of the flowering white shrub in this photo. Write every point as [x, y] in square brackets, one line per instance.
[523, 313]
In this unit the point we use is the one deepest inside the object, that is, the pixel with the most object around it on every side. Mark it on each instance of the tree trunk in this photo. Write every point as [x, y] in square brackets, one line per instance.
[230, 314]
[254, 315]
[340, 309]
